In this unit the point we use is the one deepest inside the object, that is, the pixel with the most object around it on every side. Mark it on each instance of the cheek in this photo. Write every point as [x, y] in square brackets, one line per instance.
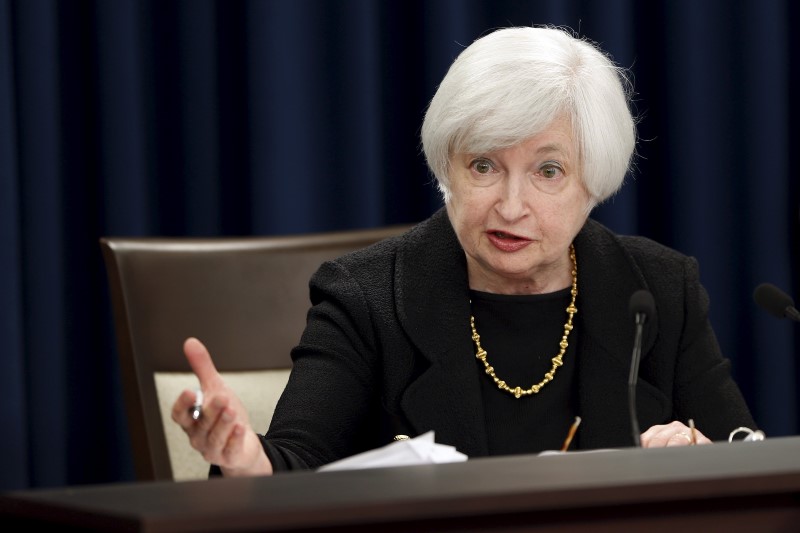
[475, 199]
[468, 214]
[462, 200]
[567, 215]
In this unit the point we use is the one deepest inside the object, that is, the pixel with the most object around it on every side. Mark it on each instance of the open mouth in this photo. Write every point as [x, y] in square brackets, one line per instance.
[509, 236]
[507, 242]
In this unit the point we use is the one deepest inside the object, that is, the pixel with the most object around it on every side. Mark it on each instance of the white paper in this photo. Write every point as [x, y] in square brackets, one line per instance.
[420, 450]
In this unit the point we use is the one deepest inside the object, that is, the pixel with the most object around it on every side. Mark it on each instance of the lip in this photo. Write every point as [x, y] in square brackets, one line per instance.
[508, 242]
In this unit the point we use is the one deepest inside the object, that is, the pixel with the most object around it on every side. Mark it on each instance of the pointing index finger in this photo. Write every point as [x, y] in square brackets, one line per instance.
[201, 363]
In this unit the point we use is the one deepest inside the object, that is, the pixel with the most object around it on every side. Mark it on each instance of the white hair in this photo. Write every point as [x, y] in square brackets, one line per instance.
[512, 83]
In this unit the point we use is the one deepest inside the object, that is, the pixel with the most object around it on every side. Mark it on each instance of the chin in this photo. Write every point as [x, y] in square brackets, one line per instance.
[510, 271]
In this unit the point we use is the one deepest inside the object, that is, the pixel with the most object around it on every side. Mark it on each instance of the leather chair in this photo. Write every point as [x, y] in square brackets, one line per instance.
[246, 299]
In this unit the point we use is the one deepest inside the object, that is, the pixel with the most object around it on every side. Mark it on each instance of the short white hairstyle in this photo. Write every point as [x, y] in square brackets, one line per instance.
[512, 83]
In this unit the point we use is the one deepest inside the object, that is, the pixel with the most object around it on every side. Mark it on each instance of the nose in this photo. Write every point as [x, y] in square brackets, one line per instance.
[512, 202]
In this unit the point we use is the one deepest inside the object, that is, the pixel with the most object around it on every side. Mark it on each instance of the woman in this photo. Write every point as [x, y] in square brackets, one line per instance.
[505, 315]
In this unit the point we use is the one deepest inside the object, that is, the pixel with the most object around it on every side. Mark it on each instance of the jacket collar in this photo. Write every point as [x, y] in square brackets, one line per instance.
[432, 295]
[607, 277]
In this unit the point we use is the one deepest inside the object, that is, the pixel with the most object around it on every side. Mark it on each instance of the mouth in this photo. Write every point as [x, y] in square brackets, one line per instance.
[507, 242]
[506, 236]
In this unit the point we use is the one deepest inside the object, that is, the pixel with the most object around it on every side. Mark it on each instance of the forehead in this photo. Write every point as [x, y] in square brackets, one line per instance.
[555, 137]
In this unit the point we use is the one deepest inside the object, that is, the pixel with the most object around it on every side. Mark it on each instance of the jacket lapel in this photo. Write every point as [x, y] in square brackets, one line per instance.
[608, 276]
[433, 308]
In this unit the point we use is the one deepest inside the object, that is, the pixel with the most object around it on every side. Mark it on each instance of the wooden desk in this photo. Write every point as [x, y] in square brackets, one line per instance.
[724, 487]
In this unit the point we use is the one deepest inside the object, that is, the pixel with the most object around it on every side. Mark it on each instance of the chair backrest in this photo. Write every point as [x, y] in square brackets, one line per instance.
[246, 299]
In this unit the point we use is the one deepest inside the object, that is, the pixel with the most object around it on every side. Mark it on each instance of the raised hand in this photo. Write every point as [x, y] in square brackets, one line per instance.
[222, 434]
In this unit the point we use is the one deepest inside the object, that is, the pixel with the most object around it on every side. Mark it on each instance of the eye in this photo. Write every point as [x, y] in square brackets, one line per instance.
[482, 166]
[551, 171]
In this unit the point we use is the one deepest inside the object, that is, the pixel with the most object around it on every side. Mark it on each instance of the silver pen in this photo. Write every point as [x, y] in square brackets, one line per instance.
[196, 411]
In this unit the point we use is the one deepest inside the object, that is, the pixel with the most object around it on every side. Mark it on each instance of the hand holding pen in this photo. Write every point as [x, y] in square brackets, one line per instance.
[216, 421]
[673, 434]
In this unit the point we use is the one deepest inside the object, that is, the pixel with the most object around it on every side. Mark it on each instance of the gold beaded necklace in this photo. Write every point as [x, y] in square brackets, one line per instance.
[557, 360]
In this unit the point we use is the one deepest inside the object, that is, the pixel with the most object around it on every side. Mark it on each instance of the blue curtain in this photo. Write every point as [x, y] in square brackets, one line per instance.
[211, 117]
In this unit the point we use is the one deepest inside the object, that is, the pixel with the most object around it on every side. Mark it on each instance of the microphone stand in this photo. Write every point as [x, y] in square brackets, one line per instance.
[633, 378]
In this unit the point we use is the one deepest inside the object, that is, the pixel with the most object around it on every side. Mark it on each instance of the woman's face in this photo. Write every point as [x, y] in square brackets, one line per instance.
[517, 210]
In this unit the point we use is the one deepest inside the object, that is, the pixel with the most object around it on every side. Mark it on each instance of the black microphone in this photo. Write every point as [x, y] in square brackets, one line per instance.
[776, 302]
[641, 306]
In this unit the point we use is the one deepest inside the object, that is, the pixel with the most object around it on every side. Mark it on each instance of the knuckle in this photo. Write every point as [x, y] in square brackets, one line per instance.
[208, 456]
[196, 442]
[214, 441]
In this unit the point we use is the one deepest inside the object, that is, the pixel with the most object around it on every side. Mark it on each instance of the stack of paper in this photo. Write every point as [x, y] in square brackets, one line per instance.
[417, 451]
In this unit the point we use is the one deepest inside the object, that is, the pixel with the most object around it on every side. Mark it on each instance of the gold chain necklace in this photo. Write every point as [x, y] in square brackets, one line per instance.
[557, 360]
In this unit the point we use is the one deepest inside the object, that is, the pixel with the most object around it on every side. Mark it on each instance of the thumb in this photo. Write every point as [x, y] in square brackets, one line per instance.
[201, 363]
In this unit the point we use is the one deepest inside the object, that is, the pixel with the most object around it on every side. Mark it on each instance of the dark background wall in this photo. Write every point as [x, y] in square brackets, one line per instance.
[205, 118]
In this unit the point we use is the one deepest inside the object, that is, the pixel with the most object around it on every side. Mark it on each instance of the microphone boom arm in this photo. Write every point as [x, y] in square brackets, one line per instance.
[634, 377]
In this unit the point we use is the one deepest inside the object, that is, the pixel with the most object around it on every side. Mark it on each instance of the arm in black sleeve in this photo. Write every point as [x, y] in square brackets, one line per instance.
[329, 404]
[704, 388]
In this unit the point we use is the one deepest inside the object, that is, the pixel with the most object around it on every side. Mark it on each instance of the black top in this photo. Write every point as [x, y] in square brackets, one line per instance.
[521, 335]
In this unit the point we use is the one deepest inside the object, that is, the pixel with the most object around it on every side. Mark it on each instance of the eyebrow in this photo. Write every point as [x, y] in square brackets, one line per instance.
[555, 147]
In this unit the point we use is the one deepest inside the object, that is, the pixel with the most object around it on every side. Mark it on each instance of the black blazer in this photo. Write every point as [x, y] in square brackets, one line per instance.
[387, 350]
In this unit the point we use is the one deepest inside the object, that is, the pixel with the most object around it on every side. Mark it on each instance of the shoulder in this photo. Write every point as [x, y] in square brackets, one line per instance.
[650, 256]
[416, 240]
[615, 266]
[376, 268]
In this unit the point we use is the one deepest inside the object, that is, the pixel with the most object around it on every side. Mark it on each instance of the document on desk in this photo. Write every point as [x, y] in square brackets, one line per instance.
[417, 451]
